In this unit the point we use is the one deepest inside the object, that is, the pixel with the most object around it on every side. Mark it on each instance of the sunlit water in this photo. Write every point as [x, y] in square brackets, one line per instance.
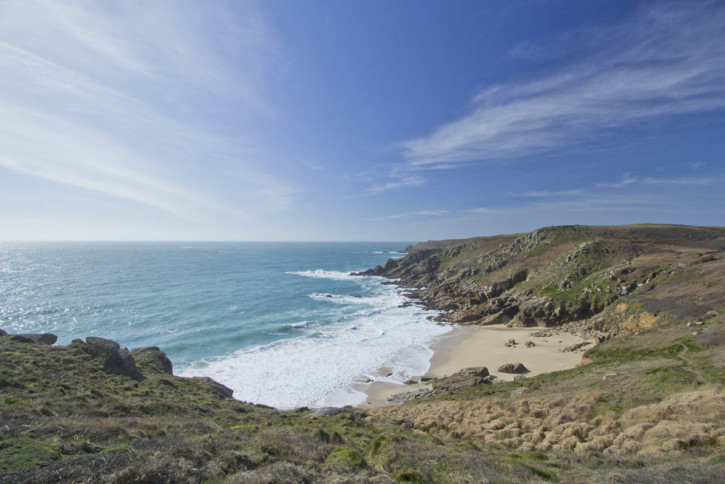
[282, 324]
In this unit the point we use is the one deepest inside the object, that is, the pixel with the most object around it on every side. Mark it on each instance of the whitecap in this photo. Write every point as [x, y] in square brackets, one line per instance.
[323, 274]
[320, 368]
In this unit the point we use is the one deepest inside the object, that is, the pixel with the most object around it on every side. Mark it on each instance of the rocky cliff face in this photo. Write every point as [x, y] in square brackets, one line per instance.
[593, 277]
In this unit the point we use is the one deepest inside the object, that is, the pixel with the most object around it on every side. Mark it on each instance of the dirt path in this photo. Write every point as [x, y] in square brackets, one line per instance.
[681, 355]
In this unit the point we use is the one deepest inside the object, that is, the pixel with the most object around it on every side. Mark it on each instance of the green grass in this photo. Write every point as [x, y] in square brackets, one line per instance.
[535, 462]
[21, 453]
[345, 458]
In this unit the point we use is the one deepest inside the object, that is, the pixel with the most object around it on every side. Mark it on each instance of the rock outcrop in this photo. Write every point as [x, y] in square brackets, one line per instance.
[152, 358]
[556, 276]
[516, 368]
[463, 379]
[115, 359]
[44, 338]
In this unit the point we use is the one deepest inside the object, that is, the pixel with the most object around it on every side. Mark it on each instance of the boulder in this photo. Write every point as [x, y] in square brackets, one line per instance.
[576, 346]
[215, 387]
[511, 342]
[115, 359]
[513, 368]
[463, 379]
[530, 344]
[44, 338]
[153, 358]
[3, 332]
[19, 338]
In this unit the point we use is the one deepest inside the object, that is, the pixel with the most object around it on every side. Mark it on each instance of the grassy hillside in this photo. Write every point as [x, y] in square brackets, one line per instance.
[647, 407]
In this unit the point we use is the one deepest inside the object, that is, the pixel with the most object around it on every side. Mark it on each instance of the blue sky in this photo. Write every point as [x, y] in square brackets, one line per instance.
[356, 120]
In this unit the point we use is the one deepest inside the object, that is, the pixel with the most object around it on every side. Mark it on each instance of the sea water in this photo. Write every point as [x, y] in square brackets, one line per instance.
[282, 324]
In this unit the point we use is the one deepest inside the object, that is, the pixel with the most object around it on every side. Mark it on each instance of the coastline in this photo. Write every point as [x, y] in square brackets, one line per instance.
[475, 346]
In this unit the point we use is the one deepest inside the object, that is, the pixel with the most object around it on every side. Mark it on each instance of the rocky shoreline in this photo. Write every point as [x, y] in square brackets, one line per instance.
[648, 406]
[568, 276]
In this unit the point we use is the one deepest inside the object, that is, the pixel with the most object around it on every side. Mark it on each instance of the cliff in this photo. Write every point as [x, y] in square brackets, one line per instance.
[654, 298]
[648, 407]
[607, 280]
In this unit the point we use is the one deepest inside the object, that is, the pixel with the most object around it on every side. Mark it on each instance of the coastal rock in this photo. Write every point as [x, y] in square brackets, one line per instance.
[44, 338]
[510, 343]
[463, 379]
[535, 312]
[19, 338]
[513, 368]
[151, 357]
[530, 344]
[215, 387]
[327, 412]
[541, 334]
[576, 346]
[390, 264]
[500, 317]
[408, 396]
[116, 360]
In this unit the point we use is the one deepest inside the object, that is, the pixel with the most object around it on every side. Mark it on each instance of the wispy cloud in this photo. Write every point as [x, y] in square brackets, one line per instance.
[398, 178]
[668, 60]
[132, 102]
[679, 181]
[46, 146]
[628, 180]
[625, 181]
[551, 194]
[268, 192]
[413, 214]
[482, 210]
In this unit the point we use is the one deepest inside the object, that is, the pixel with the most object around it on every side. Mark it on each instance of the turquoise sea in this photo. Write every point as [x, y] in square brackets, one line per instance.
[283, 324]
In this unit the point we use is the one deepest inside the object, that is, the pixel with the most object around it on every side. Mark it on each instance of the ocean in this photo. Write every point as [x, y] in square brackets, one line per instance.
[282, 324]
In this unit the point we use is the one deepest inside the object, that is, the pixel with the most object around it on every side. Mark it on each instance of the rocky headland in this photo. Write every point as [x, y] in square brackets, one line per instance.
[647, 405]
[604, 280]
[651, 296]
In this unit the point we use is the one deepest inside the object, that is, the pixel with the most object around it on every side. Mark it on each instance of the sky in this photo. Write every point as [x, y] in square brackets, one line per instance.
[357, 120]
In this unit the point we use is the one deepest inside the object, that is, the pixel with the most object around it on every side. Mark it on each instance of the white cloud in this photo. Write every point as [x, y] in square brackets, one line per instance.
[668, 60]
[48, 147]
[268, 192]
[400, 179]
[483, 210]
[133, 100]
[550, 194]
[678, 181]
[435, 213]
[625, 181]
[628, 180]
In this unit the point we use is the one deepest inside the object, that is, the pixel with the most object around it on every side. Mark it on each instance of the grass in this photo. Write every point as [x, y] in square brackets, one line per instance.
[21, 453]
[68, 419]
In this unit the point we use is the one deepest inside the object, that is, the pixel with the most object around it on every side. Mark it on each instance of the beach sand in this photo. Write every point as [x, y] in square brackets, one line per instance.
[472, 346]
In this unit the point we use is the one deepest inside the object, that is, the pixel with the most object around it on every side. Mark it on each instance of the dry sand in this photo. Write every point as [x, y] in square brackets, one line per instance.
[472, 346]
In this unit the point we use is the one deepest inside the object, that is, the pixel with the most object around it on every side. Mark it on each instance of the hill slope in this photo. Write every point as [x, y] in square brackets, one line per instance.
[649, 406]
[557, 275]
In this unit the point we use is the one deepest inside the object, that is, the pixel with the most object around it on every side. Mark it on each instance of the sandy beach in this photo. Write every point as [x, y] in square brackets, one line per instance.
[472, 346]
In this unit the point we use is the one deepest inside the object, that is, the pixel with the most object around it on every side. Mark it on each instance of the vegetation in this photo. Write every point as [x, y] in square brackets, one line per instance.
[647, 407]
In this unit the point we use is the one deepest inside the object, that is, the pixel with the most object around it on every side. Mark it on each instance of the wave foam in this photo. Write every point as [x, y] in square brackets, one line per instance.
[319, 369]
[323, 274]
